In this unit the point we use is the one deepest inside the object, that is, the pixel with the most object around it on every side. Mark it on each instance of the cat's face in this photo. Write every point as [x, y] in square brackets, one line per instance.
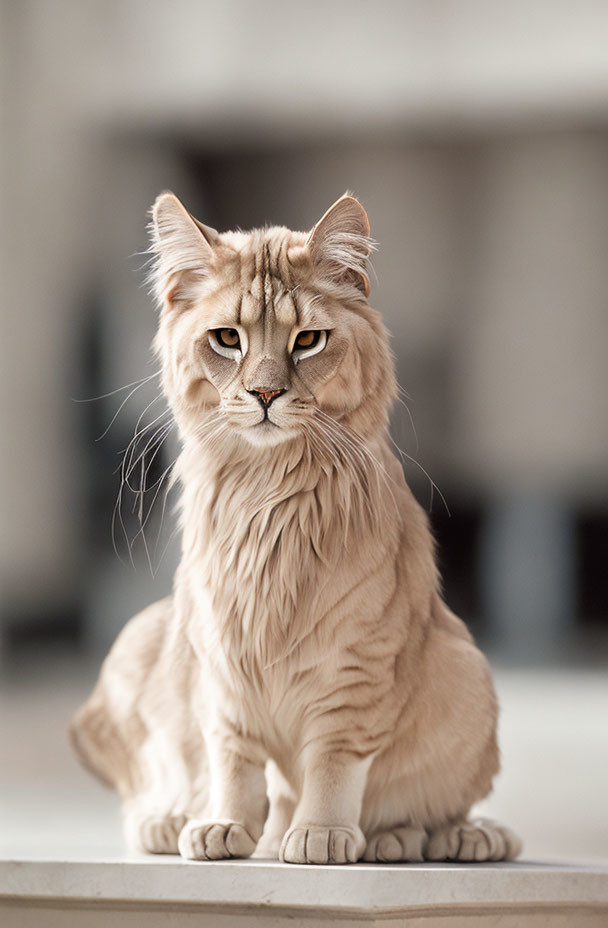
[271, 327]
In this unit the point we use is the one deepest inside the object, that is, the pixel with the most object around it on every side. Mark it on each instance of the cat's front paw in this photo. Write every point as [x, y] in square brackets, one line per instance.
[318, 844]
[214, 840]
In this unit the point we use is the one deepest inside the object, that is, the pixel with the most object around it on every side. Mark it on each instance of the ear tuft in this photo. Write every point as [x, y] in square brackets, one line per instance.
[181, 248]
[340, 243]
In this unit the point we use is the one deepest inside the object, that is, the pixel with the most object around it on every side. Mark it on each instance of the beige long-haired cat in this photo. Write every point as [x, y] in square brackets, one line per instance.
[305, 689]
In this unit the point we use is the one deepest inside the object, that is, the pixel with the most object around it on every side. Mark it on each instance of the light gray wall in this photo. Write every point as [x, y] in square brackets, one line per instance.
[474, 249]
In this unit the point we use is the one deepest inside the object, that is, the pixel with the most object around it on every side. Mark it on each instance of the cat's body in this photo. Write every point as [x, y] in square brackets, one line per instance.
[306, 630]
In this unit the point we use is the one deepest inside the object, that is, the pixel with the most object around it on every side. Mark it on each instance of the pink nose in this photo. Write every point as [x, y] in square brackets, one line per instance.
[266, 396]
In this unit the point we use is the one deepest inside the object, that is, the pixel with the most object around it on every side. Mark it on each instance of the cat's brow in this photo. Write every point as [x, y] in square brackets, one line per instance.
[227, 311]
[311, 316]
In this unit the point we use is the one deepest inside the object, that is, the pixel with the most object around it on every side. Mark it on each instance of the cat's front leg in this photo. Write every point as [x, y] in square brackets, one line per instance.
[325, 826]
[238, 801]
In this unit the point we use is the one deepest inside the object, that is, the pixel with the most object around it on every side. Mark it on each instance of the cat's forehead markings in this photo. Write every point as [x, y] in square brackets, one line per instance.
[284, 306]
[252, 304]
[265, 292]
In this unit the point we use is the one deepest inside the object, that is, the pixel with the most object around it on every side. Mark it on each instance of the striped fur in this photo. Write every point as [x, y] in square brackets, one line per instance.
[306, 654]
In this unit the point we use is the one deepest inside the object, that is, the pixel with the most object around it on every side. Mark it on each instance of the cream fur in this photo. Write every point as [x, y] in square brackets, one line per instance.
[306, 656]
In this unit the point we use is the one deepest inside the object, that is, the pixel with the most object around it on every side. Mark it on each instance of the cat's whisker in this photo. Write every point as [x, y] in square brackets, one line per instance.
[140, 429]
[354, 442]
[145, 521]
[337, 459]
[349, 437]
[143, 489]
[125, 401]
[208, 433]
[354, 463]
[130, 451]
[157, 439]
[129, 465]
[432, 483]
[103, 396]
[206, 429]
[117, 516]
[402, 396]
[356, 466]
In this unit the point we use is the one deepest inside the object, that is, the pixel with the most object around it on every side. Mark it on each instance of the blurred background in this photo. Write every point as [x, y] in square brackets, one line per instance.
[476, 135]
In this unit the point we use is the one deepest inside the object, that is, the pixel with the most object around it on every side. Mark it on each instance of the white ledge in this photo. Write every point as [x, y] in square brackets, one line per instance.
[364, 888]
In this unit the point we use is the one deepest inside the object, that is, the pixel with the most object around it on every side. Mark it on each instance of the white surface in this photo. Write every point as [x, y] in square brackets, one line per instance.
[251, 883]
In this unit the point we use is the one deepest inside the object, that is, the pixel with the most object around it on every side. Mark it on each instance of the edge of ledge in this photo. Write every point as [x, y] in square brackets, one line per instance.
[271, 884]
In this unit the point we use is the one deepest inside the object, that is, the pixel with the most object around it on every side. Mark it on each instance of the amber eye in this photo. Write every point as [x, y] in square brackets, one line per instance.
[307, 339]
[227, 338]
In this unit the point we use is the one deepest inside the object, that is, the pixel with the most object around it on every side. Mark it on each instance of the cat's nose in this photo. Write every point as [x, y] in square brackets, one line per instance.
[266, 396]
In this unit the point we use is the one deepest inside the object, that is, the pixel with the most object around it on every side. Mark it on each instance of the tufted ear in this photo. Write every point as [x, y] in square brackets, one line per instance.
[340, 243]
[182, 248]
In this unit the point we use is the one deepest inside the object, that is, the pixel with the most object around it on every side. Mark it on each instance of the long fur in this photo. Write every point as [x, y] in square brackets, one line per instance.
[306, 635]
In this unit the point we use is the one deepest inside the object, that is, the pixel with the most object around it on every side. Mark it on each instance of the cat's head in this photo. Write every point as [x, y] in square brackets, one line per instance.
[271, 328]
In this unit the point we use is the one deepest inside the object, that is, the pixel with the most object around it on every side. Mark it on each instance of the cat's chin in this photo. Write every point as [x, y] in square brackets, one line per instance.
[267, 435]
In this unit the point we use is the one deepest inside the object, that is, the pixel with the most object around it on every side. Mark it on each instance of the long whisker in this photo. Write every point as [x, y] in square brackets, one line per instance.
[401, 398]
[208, 429]
[143, 488]
[354, 443]
[145, 521]
[358, 447]
[104, 396]
[432, 483]
[140, 429]
[358, 466]
[126, 400]
[351, 457]
[131, 464]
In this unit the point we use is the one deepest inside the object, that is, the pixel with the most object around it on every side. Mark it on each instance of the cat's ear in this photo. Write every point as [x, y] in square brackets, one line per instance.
[183, 250]
[340, 243]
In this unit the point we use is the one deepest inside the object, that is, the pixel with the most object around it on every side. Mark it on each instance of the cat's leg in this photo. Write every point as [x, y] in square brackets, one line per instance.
[154, 832]
[238, 802]
[401, 843]
[173, 789]
[445, 745]
[325, 827]
[280, 813]
[477, 840]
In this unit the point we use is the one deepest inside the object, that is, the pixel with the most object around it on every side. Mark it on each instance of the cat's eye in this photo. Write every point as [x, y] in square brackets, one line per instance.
[227, 342]
[307, 339]
[307, 343]
[229, 338]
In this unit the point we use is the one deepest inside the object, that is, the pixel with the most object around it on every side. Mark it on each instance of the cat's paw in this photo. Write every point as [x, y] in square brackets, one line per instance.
[214, 840]
[154, 833]
[317, 844]
[401, 843]
[481, 839]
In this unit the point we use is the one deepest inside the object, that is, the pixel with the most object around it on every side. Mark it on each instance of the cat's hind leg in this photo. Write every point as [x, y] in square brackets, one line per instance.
[138, 731]
[477, 840]
[466, 841]
[173, 789]
[154, 833]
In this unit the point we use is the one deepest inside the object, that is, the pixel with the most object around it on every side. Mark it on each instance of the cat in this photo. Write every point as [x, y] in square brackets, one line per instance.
[305, 692]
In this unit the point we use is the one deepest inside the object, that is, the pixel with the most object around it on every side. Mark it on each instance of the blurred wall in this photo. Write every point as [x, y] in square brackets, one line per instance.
[476, 135]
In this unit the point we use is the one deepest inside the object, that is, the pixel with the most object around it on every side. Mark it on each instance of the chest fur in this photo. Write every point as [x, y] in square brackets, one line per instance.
[270, 546]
